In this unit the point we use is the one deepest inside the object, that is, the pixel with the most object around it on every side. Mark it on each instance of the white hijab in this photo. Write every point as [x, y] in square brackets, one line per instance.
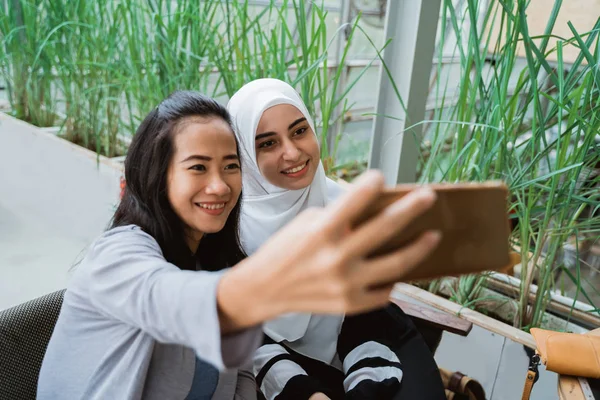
[265, 207]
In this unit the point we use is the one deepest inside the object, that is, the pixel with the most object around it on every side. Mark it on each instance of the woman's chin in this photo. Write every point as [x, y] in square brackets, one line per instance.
[214, 228]
[208, 227]
[297, 183]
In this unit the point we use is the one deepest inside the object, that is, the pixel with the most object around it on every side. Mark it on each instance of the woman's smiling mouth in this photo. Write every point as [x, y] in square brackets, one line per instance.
[212, 208]
[297, 171]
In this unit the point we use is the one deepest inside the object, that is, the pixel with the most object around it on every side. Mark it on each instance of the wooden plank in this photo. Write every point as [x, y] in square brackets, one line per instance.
[505, 308]
[475, 317]
[441, 320]
[563, 310]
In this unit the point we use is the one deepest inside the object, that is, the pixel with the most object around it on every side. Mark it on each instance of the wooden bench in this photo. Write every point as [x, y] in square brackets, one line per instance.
[432, 323]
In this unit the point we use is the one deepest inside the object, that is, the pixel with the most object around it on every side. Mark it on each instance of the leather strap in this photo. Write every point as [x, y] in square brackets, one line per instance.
[528, 385]
[454, 383]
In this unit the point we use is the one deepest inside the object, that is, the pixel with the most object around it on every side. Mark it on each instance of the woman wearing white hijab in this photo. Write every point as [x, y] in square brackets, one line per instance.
[282, 176]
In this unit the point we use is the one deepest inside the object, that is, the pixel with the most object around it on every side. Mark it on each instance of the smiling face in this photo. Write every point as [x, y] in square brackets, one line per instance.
[287, 151]
[204, 180]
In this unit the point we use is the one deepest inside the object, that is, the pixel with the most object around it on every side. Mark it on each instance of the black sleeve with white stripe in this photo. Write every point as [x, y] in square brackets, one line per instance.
[367, 348]
[280, 376]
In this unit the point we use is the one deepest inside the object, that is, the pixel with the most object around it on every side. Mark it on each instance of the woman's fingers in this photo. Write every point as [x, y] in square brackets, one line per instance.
[365, 190]
[390, 268]
[376, 278]
[388, 223]
[371, 299]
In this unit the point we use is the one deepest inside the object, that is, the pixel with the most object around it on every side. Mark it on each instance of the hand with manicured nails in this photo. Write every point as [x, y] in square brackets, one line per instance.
[318, 262]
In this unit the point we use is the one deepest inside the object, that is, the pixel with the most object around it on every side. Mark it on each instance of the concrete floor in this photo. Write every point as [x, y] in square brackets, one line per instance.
[498, 363]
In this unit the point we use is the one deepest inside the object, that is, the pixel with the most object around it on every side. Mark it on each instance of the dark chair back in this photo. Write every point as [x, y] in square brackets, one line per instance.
[25, 331]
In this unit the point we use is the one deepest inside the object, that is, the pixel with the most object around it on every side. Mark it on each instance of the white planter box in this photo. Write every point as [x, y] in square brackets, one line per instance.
[55, 198]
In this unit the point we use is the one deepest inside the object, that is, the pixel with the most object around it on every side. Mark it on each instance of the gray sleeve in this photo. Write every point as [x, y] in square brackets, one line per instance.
[246, 386]
[129, 280]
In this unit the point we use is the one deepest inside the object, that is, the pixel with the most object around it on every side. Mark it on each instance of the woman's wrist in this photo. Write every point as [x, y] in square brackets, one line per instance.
[244, 299]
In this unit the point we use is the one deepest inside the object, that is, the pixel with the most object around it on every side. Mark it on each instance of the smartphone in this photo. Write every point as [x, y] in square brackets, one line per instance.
[473, 220]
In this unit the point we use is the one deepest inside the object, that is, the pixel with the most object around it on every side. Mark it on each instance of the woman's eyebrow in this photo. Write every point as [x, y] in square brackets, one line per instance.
[296, 122]
[197, 157]
[267, 134]
[207, 158]
[264, 135]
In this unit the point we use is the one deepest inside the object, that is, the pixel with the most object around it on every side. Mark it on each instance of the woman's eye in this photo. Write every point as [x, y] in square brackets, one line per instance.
[300, 131]
[198, 167]
[266, 144]
[233, 166]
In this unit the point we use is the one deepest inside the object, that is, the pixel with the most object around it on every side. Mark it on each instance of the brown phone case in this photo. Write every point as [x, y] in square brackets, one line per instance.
[474, 223]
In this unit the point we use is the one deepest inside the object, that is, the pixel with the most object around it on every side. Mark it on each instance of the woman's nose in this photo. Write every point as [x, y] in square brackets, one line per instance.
[218, 186]
[291, 152]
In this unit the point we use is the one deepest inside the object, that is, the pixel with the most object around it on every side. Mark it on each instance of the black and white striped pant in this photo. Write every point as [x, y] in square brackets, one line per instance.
[383, 357]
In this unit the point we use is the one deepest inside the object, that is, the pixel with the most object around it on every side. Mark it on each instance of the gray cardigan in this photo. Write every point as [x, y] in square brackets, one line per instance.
[131, 325]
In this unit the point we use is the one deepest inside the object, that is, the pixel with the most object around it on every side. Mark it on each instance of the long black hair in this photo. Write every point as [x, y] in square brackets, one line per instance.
[145, 202]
